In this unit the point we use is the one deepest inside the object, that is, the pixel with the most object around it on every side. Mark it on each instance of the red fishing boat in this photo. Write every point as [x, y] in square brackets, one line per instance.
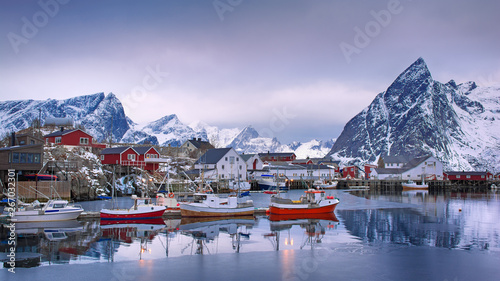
[142, 209]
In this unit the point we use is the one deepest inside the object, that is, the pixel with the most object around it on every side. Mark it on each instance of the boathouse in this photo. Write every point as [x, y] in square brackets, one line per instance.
[468, 176]
[75, 137]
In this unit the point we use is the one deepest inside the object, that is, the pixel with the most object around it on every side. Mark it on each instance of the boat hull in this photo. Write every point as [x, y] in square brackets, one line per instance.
[415, 186]
[37, 216]
[299, 209]
[142, 213]
[188, 210]
[321, 216]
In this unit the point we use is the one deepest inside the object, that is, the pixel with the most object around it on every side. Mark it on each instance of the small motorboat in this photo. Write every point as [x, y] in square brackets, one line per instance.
[413, 185]
[53, 210]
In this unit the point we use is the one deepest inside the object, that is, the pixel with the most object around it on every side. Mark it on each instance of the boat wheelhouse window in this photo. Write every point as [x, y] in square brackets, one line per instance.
[36, 158]
[30, 158]
[59, 205]
[58, 140]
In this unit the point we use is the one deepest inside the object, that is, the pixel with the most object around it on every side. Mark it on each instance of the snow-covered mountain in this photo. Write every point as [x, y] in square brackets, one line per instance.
[312, 149]
[168, 130]
[99, 114]
[459, 124]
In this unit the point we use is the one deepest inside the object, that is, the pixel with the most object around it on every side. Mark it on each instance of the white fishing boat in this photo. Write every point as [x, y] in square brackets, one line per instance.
[239, 186]
[319, 184]
[211, 205]
[413, 185]
[313, 202]
[53, 210]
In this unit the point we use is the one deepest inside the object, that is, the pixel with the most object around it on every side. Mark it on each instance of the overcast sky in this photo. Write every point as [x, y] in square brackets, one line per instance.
[296, 70]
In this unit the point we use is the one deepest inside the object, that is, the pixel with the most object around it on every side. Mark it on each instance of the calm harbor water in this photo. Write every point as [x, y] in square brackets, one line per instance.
[367, 224]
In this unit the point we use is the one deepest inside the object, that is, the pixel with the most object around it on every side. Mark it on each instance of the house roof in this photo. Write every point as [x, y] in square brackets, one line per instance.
[60, 133]
[464, 173]
[277, 154]
[212, 156]
[198, 143]
[389, 171]
[246, 156]
[115, 150]
[415, 162]
[316, 167]
[143, 149]
[395, 158]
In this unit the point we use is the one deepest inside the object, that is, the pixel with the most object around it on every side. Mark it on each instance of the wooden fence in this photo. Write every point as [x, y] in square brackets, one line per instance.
[27, 190]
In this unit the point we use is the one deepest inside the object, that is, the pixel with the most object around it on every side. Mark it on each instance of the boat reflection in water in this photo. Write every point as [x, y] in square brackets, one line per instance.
[315, 226]
[206, 230]
[130, 232]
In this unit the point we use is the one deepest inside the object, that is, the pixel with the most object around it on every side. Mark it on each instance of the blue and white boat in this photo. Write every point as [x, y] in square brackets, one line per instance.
[268, 182]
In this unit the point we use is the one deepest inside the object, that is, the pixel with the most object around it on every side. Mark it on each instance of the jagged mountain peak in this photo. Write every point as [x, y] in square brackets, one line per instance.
[418, 115]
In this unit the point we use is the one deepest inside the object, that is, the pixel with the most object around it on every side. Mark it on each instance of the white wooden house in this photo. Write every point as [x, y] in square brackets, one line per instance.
[225, 163]
[253, 161]
[426, 166]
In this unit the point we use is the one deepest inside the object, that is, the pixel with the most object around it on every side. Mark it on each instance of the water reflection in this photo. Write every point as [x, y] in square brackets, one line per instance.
[314, 226]
[204, 231]
[364, 221]
[438, 219]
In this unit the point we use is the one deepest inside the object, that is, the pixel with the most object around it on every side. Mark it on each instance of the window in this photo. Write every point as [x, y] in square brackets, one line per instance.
[222, 167]
[58, 139]
[102, 157]
[458, 176]
[240, 167]
[482, 177]
[30, 158]
[23, 157]
[131, 157]
[468, 176]
[36, 158]
[32, 142]
[226, 159]
[84, 140]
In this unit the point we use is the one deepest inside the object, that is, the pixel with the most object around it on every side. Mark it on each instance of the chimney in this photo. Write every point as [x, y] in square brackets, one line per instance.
[13, 139]
[62, 129]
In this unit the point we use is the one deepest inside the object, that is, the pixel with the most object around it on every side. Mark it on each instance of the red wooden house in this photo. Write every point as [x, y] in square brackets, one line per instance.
[351, 171]
[74, 137]
[141, 157]
[368, 169]
[468, 176]
[277, 157]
